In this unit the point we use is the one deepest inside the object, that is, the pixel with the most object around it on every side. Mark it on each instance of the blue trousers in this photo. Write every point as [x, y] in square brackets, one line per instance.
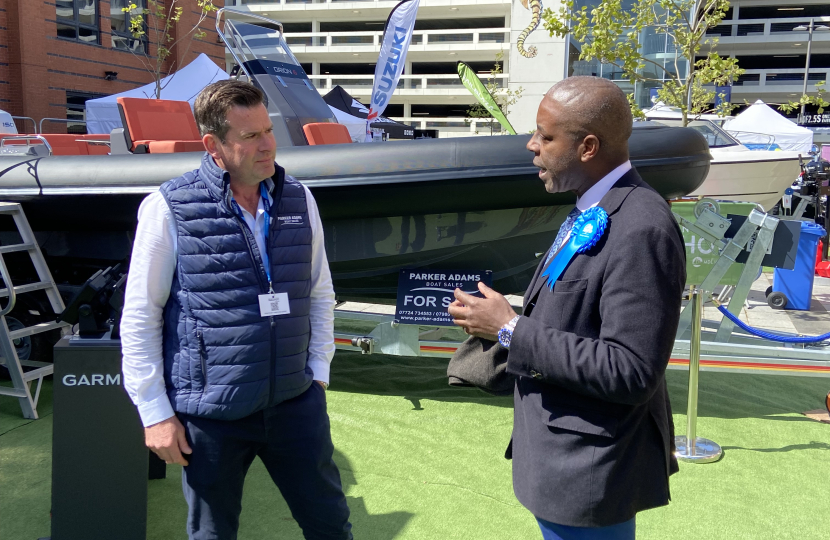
[554, 531]
[293, 440]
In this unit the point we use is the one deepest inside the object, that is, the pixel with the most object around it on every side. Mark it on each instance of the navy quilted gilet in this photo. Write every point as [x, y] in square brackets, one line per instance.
[222, 359]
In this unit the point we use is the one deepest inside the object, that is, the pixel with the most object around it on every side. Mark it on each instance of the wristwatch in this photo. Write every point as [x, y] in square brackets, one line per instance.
[506, 332]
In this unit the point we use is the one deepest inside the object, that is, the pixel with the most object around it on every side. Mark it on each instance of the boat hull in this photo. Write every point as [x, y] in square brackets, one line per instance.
[754, 176]
[474, 203]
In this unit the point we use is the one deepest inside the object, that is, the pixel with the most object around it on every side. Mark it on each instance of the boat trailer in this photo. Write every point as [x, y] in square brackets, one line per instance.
[723, 347]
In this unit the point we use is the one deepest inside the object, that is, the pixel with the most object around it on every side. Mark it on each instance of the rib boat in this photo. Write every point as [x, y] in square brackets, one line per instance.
[473, 203]
[460, 203]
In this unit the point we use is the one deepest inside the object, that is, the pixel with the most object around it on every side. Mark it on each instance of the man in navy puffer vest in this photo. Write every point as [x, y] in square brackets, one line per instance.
[227, 331]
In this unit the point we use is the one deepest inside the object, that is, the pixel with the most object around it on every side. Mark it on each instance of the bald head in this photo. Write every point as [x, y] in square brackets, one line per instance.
[594, 106]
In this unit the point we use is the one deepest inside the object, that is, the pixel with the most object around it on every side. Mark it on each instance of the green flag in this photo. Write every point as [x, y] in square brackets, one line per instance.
[474, 85]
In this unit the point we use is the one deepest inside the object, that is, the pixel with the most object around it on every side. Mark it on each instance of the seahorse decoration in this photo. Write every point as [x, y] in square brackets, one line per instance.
[536, 12]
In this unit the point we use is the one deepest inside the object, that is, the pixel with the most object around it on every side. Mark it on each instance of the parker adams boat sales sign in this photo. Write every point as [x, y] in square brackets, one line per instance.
[425, 295]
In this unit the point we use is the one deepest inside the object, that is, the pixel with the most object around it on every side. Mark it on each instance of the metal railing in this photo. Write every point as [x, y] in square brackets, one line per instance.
[775, 77]
[333, 40]
[767, 27]
[407, 82]
[59, 121]
[30, 119]
[757, 139]
[451, 124]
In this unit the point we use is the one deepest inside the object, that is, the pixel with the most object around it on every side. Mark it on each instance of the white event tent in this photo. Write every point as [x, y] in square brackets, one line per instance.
[761, 125]
[184, 85]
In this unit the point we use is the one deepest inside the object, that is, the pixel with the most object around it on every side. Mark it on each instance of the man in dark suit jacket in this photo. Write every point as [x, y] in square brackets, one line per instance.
[592, 432]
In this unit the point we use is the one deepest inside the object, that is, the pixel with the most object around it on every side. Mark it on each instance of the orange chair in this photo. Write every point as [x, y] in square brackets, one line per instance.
[159, 126]
[62, 144]
[326, 133]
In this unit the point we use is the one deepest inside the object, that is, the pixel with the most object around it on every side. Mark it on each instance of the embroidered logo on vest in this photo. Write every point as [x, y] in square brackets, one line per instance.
[290, 220]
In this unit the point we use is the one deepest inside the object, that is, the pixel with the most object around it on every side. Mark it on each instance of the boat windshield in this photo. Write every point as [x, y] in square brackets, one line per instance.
[259, 42]
[715, 136]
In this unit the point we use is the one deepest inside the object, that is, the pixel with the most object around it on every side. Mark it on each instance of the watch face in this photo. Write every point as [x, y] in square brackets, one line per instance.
[504, 337]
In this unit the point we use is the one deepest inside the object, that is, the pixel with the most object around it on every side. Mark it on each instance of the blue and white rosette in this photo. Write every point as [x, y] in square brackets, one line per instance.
[585, 233]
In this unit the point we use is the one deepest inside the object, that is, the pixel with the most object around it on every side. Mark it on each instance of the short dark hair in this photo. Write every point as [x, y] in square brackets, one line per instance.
[214, 102]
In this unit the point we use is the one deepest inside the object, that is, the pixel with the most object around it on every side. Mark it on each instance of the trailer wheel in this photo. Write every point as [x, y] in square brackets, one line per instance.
[777, 300]
[29, 312]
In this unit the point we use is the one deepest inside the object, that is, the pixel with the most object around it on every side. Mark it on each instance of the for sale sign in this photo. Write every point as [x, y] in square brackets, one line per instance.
[425, 295]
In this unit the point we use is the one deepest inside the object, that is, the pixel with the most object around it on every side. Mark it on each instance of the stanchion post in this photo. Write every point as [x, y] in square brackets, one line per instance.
[690, 447]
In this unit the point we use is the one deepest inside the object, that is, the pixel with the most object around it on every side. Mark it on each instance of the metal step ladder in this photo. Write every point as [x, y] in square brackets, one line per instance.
[22, 379]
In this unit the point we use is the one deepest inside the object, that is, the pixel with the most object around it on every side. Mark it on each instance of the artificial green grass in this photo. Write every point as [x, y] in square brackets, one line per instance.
[420, 460]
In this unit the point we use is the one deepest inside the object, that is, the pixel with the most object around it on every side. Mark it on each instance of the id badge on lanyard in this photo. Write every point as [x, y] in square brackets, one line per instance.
[271, 303]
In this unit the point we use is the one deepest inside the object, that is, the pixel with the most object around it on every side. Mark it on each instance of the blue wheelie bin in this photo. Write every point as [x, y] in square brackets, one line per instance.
[793, 289]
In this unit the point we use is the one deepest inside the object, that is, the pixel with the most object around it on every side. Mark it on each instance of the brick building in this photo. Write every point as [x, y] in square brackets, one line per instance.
[56, 54]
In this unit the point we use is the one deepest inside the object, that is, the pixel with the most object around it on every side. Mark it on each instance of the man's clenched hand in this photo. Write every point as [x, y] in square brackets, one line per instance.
[167, 439]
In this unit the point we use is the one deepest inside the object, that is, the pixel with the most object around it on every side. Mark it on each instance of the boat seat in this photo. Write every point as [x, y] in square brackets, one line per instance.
[67, 144]
[326, 133]
[159, 126]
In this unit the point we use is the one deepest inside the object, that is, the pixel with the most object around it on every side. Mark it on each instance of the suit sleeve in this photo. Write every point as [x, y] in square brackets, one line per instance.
[639, 308]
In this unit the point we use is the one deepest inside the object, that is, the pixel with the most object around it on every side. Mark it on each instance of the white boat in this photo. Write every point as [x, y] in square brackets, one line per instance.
[738, 173]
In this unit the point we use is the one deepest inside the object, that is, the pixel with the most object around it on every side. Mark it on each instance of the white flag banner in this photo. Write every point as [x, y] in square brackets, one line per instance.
[397, 36]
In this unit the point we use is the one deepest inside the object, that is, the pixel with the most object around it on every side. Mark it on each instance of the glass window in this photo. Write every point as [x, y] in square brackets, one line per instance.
[122, 38]
[715, 136]
[265, 43]
[76, 110]
[77, 20]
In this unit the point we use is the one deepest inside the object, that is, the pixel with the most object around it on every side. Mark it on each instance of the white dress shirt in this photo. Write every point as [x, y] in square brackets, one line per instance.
[149, 280]
[595, 193]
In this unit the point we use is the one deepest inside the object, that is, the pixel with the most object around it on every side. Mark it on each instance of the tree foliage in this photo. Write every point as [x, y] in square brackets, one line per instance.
[806, 99]
[504, 97]
[162, 21]
[614, 33]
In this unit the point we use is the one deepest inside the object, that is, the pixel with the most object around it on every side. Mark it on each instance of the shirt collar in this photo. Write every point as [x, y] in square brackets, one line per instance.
[595, 193]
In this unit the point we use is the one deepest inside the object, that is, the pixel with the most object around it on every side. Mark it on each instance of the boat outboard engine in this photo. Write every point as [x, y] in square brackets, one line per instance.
[262, 57]
[814, 175]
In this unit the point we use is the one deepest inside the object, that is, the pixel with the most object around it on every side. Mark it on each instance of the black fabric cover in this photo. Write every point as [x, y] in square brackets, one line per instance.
[342, 100]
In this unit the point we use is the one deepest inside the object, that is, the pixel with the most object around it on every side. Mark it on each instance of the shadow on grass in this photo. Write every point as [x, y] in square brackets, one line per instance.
[814, 445]
[264, 512]
[740, 395]
[365, 524]
[11, 415]
[721, 395]
[414, 379]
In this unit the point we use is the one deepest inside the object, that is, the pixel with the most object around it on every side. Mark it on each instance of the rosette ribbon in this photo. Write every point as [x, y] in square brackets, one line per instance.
[585, 233]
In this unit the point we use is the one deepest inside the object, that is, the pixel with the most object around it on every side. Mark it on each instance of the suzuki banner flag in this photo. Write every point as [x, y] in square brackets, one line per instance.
[474, 85]
[396, 38]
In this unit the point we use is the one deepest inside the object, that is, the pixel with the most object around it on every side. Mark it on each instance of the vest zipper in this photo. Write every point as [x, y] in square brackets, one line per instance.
[202, 359]
[246, 232]
[273, 381]
[272, 378]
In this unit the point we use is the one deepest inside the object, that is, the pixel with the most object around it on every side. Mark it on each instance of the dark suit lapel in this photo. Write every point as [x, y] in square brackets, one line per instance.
[532, 287]
[611, 202]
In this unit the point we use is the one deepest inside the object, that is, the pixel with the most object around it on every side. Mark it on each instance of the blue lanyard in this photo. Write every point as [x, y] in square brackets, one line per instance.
[266, 206]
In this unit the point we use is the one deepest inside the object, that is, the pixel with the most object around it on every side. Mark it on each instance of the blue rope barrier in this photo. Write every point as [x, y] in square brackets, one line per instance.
[768, 335]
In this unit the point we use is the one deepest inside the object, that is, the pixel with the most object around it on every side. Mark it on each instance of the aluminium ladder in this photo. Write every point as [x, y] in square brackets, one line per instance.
[21, 379]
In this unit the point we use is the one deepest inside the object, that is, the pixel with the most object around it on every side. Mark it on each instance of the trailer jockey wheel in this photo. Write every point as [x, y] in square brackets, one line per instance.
[777, 300]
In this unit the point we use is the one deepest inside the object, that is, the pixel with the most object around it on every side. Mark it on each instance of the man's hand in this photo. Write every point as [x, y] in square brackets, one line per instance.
[482, 317]
[168, 441]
